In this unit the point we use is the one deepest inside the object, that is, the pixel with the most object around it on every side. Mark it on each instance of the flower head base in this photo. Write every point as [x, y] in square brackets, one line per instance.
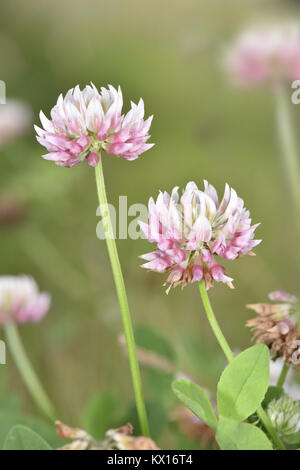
[284, 414]
[85, 122]
[191, 229]
[20, 300]
[265, 55]
[276, 326]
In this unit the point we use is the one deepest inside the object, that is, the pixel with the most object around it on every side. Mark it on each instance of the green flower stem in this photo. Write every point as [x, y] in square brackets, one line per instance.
[288, 145]
[123, 302]
[268, 426]
[283, 374]
[230, 356]
[213, 322]
[26, 370]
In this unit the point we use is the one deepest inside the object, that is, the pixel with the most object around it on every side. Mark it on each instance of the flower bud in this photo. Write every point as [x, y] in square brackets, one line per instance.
[284, 414]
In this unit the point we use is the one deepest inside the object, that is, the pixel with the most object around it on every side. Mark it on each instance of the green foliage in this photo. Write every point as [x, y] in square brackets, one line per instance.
[158, 375]
[244, 383]
[158, 386]
[241, 389]
[101, 413]
[157, 419]
[149, 339]
[193, 397]
[233, 435]
[203, 360]
[23, 438]
[11, 415]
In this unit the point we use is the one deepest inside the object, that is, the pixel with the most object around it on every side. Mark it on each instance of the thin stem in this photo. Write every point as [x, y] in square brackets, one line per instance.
[288, 145]
[230, 356]
[283, 374]
[27, 372]
[213, 322]
[123, 302]
[268, 426]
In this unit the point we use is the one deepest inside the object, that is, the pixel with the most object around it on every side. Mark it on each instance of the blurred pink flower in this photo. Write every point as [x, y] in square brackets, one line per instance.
[85, 122]
[267, 54]
[15, 119]
[191, 229]
[21, 301]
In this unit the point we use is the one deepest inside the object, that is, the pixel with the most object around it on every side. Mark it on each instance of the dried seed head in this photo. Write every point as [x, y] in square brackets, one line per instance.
[276, 327]
[114, 439]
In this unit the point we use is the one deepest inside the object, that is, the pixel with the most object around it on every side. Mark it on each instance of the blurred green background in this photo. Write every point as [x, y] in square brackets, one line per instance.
[169, 53]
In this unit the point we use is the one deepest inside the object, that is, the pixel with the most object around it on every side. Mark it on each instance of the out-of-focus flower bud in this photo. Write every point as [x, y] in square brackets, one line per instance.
[284, 414]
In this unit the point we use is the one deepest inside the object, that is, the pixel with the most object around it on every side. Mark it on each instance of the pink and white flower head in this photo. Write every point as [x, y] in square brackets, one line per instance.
[269, 54]
[190, 230]
[85, 122]
[21, 301]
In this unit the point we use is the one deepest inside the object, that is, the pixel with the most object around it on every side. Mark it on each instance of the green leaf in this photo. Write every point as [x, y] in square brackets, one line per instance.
[193, 397]
[23, 438]
[148, 338]
[232, 435]
[10, 417]
[101, 413]
[244, 383]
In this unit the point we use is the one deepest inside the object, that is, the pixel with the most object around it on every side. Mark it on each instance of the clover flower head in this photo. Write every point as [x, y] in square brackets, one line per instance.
[84, 122]
[21, 301]
[266, 54]
[277, 325]
[192, 229]
[284, 414]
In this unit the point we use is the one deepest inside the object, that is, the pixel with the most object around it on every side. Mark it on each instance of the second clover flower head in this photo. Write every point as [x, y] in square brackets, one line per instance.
[191, 230]
[267, 54]
[87, 121]
[21, 301]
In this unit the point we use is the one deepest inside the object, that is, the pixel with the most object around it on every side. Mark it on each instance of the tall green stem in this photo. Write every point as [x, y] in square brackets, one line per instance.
[288, 145]
[27, 372]
[123, 302]
[213, 322]
[230, 356]
[283, 374]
